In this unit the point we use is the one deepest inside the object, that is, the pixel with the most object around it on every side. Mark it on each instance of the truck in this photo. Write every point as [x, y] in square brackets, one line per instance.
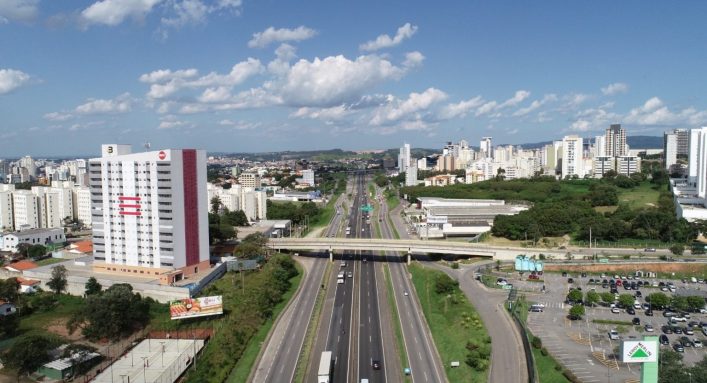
[325, 368]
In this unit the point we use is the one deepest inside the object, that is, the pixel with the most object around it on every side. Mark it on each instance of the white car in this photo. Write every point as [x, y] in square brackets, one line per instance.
[697, 343]
[615, 310]
[649, 328]
[340, 281]
[679, 319]
[613, 335]
[405, 293]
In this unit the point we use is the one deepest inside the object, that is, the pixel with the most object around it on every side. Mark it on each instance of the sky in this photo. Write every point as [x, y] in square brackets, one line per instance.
[261, 76]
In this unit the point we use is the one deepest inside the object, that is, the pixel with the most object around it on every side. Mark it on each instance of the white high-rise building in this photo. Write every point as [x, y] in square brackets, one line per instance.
[572, 161]
[82, 204]
[26, 209]
[422, 163]
[150, 212]
[485, 147]
[6, 210]
[249, 180]
[627, 165]
[616, 141]
[411, 176]
[692, 159]
[308, 177]
[670, 149]
[404, 159]
[599, 146]
[698, 141]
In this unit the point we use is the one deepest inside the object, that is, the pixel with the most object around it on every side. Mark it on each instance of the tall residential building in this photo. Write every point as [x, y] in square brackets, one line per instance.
[601, 165]
[404, 159]
[627, 165]
[485, 147]
[411, 176]
[150, 212]
[692, 160]
[81, 197]
[699, 138]
[670, 149]
[6, 211]
[26, 208]
[249, 180]
[308, 177]
[572, 160]
[683, 136]
[616, 141]
[600, 146]
[28, 163]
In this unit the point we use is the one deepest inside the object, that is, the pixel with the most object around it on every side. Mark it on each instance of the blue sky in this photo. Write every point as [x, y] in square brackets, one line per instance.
[244, 76]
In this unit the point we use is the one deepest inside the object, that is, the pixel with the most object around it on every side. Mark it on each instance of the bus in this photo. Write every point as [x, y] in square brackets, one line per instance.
[325, 367]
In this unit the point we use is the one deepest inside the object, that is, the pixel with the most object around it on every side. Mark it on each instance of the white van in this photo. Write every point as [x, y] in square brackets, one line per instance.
[340, 281]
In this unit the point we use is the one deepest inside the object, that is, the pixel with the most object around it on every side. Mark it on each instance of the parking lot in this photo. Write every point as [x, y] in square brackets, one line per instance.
[584, 346]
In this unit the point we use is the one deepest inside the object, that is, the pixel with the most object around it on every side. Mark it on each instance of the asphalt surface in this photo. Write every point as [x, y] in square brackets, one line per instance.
[507, 353]
[423, 359]
[279, 360]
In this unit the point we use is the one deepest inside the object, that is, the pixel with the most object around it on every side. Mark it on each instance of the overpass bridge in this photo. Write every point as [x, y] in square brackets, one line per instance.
[406, 246]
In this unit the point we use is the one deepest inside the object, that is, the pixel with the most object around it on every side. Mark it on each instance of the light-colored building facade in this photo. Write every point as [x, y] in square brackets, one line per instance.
[11, 241]
[150, 212]
[411, 176]
[249, 180]
[572, 160]
[616, 141]
[627, 165]
[485, 147]
[26, 209]
[670, 149]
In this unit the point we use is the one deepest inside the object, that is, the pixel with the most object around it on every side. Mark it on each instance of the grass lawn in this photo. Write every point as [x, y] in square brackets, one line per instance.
[242, 369]
[545, 367]
[50, 261]
[452, 325]
[399, 342]
[639, 197]
[39, 321]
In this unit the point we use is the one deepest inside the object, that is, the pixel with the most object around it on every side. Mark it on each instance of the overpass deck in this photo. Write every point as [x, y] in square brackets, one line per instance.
[405, 246]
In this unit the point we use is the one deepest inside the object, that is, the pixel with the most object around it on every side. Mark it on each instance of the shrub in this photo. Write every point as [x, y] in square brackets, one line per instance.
[455, 265]
[543, 351]
[536, 342]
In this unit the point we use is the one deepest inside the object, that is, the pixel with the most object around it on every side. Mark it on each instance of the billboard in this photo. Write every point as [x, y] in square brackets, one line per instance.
[196, 307]
[639, 351]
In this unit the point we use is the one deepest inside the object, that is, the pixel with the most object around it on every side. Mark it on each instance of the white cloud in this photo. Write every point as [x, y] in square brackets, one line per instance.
[334, 113]
[120, 104]
[114, 12]
[517, 98]
[283, 55]
[536, 104]
[573, 101]
[615, 88]
[217, 94]
[461, 108]
[413, 59]
[493, 108]
[335, 79]
[270, 35]
[164, 75]
[191, 12]
[655, 113]
[18, 10]
[409, 109]
[240, 125]
[385, 41]
[172, 122]
[58, 116]
[11, 79]
[486, 108]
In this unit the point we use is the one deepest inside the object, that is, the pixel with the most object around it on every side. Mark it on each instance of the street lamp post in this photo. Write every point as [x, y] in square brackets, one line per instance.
[162, 343]
[144, 368]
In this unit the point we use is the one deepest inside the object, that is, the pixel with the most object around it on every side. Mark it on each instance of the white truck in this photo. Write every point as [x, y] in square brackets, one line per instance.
[325, 366]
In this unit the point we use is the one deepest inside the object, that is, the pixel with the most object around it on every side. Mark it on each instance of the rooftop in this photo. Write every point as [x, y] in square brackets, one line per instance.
[22, 265]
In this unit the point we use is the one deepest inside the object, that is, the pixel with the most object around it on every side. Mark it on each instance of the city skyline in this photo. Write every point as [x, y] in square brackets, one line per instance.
[232, 76]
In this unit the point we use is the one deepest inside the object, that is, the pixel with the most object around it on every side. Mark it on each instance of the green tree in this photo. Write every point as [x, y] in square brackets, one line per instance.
[680, 302]
[236, 218]
[607, 297]
[115, 313]
[444, 284]
[58, 280]
[626, 300]
[252, 246]
[695, 302]
[9, 289]
[574, 296]
[36, 251]
[591, 298]
[576, 312]
[28, 354]
[677, 249]
[93, 287]
[478, 355]
[658, 300]
[215, 204]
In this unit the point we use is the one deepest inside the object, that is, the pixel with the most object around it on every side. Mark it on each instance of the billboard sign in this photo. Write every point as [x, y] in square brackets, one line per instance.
[436, 219]
[196, 307]
[640, 351]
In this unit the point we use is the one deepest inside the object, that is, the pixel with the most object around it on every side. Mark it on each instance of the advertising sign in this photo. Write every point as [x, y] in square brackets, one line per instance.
[639, 351]
[436, 219]
[196, 307]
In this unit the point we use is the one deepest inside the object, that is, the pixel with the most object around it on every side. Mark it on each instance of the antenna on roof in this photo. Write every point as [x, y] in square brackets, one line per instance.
[146, 145]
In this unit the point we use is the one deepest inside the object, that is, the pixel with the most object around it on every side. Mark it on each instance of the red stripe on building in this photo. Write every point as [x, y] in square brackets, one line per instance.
[129, 213]
[125, 198]
[191, 206]
[122, 205]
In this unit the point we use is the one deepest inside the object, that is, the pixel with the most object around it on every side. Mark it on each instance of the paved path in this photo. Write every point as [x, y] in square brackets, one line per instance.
[507, 354]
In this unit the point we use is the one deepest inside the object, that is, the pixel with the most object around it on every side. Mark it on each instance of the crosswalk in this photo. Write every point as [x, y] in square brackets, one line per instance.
[550, 304]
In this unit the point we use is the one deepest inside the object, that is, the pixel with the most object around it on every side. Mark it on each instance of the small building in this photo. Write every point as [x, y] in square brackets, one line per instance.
[21, 266]
[65, 368]
[28, 286]
[11, 241]
[7, 308]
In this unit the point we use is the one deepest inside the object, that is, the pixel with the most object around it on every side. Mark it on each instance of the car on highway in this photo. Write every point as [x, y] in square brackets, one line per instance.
[340, 281]
[350, 274]
[535, 309]
[649, 249]
[405, 293]
[376, 364]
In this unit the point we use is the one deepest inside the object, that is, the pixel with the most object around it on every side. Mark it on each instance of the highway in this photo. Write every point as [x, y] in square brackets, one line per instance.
[278, 362]
[423, 358]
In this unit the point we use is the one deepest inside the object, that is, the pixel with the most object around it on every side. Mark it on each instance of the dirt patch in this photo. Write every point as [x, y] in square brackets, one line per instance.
[657, 267]
[58, 327]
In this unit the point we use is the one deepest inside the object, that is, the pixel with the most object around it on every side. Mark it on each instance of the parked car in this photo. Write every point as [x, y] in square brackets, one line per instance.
[685, 341]
[664, 340]
[648, 312]
[636, 321]
[615, 310]
[677, 329]
[667, 329]
[688, 331]
[613, 334]
[668, 314]
[649, 327]
[631, 311]
[678, 347]
[649, 250]
[697, 343]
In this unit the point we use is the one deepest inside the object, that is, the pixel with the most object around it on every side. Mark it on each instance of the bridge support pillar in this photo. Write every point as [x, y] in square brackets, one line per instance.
[409, 260]
[331, 255]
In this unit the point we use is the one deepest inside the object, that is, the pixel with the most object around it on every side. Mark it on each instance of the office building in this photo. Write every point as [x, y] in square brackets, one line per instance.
[404, 159]
[150, 212]
[601, 165]
[411, 176]
[308, 177]
[627, 165]
[616, 141]
[572, 160]
[670, 149]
